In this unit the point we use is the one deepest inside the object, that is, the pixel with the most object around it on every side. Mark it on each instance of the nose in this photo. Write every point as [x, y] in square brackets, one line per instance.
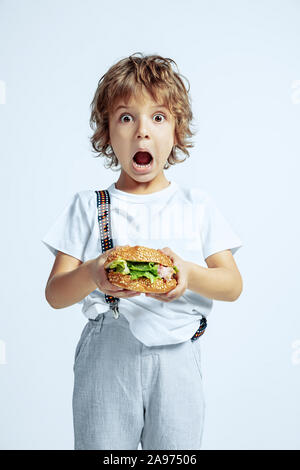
[142, 131]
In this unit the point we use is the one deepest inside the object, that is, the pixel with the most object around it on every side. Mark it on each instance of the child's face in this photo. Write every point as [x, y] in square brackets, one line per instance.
[141, 124]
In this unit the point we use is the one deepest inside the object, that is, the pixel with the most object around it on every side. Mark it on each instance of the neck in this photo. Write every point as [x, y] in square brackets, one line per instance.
[129, 185]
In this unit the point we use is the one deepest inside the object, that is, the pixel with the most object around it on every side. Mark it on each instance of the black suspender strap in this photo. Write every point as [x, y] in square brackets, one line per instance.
[104, 222]
[201, 329]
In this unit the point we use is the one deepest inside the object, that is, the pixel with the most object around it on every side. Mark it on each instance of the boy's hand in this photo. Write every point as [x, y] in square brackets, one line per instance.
[99, 276]
[181, 277]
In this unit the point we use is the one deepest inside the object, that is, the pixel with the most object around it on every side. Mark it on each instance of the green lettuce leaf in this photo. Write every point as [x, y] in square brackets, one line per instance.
[149, 275]
[119, 265]
[139, 266]
[136, 269]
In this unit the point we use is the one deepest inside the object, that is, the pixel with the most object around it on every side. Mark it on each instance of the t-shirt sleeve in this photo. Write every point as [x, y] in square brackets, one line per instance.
[71, 230]
[217, 234]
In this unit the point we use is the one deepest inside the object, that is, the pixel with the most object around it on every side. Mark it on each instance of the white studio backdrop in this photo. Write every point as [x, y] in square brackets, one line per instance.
[242, 61]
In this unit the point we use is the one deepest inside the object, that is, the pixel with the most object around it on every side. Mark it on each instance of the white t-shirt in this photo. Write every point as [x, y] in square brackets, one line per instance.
[183, 219]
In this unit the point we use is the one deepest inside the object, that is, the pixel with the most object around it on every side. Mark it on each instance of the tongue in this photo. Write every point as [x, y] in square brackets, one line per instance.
[142, 158]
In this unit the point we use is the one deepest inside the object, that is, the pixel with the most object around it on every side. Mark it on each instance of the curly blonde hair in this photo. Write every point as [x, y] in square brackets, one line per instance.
[122, 81]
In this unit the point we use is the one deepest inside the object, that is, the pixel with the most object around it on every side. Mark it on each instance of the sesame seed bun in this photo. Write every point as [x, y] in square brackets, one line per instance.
[142, 284]
[139, 253]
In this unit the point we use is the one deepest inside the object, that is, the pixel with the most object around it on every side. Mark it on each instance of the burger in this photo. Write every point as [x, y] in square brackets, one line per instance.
[141, 269]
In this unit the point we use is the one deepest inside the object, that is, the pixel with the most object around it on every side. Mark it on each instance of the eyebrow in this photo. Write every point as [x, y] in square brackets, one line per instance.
[128, 107]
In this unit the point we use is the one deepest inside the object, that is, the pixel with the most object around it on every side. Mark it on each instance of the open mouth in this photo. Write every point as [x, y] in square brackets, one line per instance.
[142, 160]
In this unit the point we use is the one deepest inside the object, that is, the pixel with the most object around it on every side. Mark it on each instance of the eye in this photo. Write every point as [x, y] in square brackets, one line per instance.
[125, 115]
[159, 114]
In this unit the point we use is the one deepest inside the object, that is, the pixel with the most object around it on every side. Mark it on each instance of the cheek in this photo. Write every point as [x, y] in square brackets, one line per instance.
[117, 131]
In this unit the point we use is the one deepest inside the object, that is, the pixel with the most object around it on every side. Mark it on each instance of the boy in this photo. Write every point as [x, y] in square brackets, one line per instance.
[139, 379]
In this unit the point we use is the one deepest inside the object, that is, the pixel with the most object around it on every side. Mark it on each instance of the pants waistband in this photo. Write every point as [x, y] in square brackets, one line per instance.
[108, 317]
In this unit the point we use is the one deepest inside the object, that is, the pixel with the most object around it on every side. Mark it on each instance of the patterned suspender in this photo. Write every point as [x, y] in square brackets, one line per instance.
[103, 206]
[201, 329]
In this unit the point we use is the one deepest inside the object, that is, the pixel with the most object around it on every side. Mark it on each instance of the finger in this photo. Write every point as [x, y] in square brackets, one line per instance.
[177, 289]
[168, 252]
[111, 286]
[120, 294]
[166, 249]
[114, 293]
[123, 293]
[171, 296]
[109, 251]
[126, 296]
[159, 297]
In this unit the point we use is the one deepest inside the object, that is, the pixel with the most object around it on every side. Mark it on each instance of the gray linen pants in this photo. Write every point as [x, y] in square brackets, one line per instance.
[126, 393]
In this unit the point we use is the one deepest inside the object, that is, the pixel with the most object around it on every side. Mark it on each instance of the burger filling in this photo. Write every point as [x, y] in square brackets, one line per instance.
[138, 269]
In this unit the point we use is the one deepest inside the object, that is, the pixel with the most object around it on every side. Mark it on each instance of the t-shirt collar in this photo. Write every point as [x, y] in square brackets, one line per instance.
[143, 198]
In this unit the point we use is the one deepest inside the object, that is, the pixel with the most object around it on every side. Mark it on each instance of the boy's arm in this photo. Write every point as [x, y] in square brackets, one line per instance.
[69, 281]
[220, 281]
